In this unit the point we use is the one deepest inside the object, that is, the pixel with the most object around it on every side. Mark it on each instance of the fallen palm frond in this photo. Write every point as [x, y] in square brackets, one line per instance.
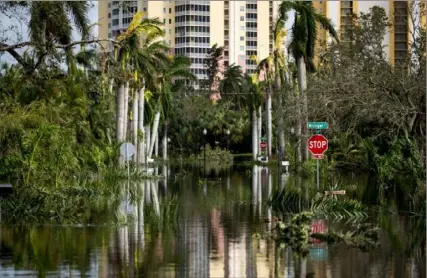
[339, 208]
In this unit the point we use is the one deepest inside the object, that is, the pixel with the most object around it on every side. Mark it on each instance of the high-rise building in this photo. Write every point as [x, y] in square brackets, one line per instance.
[193, 26]
[397, 39]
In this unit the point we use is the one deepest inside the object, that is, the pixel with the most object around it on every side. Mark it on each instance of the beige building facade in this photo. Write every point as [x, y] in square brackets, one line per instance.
[194, 26]
[397, 40]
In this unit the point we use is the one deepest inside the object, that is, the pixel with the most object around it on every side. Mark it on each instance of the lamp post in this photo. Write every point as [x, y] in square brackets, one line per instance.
[228, 139]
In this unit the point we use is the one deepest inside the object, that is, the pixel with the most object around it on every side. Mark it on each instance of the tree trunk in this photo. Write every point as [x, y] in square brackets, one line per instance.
[165, 142]
[120, 112]
[147, 140]
[268, 121]
[135, 124]
[126, 109]
[141, 146]
[154, 133]
[259, 133]
[298, 157]
[254, 135]
[156, 146]
[280, 127]
[302, 86]
[110, 86]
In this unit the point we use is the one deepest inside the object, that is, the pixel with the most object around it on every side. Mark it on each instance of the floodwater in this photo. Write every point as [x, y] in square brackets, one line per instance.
[221, 230]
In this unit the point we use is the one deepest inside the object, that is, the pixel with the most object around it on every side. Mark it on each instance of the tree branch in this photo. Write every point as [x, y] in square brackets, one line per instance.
[6, 47]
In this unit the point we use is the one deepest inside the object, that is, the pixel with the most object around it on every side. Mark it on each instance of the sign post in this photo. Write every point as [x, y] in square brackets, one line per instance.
[317, 145]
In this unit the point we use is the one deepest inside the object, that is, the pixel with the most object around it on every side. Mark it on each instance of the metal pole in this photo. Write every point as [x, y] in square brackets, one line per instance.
[317, 162]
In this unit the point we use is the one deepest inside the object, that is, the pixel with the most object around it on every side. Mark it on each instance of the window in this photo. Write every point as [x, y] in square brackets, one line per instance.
[164, 10]
[242, 38]
[242, 8]
[170, 42]
[109, 15]
[145, 9]
[170, 31]
[242, 48]
[115, 11]
[242, 28]
[242, 18]
[170, 21]
[164, 20]
[110, 35]
[170, 10]
[115, 22]
[109, 25]
[109, 5]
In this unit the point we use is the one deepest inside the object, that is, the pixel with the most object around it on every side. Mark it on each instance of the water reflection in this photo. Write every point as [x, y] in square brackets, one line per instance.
[221, 231]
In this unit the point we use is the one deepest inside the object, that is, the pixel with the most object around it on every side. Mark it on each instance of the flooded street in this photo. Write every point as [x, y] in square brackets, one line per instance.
[220, 229]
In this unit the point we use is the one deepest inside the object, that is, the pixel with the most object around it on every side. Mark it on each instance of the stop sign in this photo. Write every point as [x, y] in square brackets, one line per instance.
[263, 145]
[317, 144]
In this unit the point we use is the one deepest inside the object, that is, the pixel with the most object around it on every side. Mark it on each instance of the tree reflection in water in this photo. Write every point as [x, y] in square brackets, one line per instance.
[221, 235]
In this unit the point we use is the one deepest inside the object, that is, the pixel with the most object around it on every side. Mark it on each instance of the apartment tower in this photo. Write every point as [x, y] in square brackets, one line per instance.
[193, 26]
[397, 39]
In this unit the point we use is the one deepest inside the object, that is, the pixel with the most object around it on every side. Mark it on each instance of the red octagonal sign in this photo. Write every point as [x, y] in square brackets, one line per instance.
[317, 144]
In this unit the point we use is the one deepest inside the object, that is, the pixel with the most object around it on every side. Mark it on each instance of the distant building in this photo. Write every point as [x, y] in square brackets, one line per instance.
[398, 37]
[193, 26]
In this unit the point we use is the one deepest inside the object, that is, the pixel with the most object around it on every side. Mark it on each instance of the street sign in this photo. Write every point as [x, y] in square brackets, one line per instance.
[263, 145]
[317, 144]
[317, 125]
[127, 150]
[320, 156]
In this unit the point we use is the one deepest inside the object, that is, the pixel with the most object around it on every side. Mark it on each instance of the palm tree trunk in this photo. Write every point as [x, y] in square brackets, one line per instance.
[302, 86]
[110, 86]
[165, 142]
[156, 146]
[147, 140]
[280, 126]
[268, 120]
[141, 146]
[259, 133]
[126, 108]
[298, 157]
[254, 135]
[154, 134]
[135, 123]
[120, 112]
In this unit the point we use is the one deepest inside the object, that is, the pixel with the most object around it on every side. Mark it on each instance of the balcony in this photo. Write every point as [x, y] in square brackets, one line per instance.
[251, 47]
[188, 12]
[251, 19]
[251, 29]
[192, 34]
[191, 23]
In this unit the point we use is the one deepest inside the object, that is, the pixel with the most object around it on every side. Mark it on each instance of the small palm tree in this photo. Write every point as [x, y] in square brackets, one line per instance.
[302, 46]
[231, 85]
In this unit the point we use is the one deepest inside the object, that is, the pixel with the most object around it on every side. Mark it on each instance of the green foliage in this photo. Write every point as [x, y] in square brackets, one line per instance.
[215, 155]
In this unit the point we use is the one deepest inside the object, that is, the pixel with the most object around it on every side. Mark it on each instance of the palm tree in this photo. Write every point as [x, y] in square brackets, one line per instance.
[51, 22]
[231, 85]
[140, 52]
[177, 68]
[252, 102]
[279, 78]
[302, 46]
[265, 71]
